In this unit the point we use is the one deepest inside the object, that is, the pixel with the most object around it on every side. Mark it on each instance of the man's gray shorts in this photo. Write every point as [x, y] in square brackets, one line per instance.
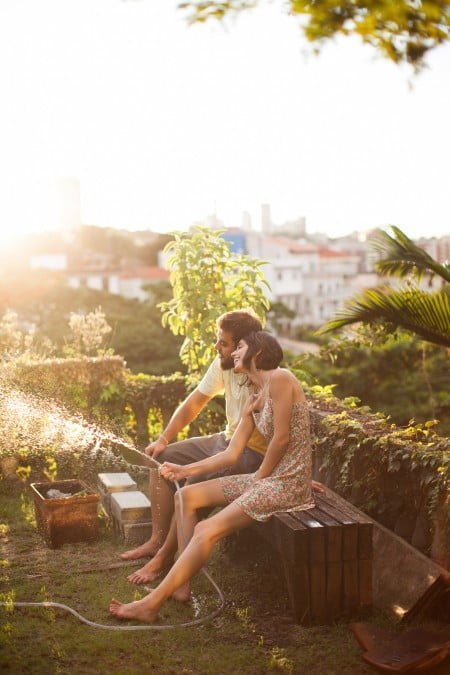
[202, 447]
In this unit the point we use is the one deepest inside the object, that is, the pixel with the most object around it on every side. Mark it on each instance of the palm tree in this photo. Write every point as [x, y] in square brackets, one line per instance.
[424, 313]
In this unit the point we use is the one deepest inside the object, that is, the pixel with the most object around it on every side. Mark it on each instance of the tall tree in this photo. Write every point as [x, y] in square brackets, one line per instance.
[401, 30]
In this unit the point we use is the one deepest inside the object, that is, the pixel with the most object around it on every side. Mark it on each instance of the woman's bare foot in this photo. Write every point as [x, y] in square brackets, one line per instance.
[182, 594]
[141, 610]
[149, 548]
[150, 570]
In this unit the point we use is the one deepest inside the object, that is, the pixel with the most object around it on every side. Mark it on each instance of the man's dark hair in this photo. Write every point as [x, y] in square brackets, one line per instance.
[239, 323]
[265, 348]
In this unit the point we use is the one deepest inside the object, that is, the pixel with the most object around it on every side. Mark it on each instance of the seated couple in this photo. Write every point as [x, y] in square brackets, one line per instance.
[278, 410]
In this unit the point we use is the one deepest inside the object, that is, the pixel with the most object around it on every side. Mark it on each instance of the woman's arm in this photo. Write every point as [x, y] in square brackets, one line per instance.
[281, 393]
[220, 461]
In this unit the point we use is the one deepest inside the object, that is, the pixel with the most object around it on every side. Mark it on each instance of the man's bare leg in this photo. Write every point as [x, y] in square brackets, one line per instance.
[186, 505]
[161, 561]
[206, 534]
[161, 498]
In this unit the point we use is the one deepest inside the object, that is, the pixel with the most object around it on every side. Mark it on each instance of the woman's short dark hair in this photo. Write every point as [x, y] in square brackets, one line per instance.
[265, 348]
[239, 323]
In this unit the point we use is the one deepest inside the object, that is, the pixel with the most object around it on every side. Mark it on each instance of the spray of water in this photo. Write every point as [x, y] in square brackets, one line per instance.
[35, 427]
[39, 426]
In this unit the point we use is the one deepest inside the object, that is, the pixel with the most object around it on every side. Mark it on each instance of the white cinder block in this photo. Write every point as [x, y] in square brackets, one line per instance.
[130, 507]
[116, 482]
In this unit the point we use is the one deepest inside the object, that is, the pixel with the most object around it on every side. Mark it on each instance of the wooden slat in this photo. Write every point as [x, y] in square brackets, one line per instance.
[293, 544]
[317, 564]
[365, 573]
[350, 530]
[334, 566]
[365, 526]
[350, 586]
[333, 531]
[327, 558]
[364, 554]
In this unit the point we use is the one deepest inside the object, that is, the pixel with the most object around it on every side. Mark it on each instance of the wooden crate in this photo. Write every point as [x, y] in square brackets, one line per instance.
[66, 520]
[327, 559]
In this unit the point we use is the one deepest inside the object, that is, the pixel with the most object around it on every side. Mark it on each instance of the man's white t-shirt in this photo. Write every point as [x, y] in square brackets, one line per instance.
[217, 381]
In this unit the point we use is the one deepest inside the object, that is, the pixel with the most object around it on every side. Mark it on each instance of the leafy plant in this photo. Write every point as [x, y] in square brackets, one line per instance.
[403, 31]
[89, 331]
[423, 313]
[208, 280]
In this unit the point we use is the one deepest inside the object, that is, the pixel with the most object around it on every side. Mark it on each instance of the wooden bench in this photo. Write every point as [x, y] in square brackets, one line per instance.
[327, 558]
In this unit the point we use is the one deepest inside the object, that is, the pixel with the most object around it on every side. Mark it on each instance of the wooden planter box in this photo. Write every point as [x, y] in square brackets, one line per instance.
[66, 520]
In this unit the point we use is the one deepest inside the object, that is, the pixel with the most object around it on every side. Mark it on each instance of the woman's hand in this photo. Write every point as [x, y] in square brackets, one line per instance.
[317, 487]
[173, 472]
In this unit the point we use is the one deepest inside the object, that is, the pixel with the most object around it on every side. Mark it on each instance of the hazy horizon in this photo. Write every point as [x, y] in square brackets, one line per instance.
[163, 124]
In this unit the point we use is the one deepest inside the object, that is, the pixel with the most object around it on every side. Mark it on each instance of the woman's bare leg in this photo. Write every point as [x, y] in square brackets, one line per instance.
[206, 534]
[192, 498]
[161, 498]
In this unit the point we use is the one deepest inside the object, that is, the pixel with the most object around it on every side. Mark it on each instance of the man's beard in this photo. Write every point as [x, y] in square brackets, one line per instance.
[227, 364]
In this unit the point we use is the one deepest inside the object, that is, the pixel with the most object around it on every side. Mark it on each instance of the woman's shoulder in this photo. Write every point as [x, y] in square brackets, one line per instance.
[282, 378]
[282, 375]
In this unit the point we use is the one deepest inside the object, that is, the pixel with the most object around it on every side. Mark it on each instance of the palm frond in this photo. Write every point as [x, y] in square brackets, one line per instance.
[401, 257]
[424, 314]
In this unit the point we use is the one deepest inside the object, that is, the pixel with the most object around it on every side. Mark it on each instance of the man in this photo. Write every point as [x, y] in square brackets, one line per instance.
[219, 379]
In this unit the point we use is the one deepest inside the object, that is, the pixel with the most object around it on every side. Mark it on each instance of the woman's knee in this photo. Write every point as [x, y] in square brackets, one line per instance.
[205, 532]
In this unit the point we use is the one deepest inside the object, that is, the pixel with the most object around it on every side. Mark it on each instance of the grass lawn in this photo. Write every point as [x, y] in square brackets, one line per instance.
[254, 634]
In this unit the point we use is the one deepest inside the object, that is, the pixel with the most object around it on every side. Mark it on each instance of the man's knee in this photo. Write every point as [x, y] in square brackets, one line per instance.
[185, 498]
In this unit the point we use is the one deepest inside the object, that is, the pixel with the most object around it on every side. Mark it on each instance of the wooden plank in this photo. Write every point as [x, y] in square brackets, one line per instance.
[333, 532]
[335, 590]
[334, 566]
[364, 555]
[317, 564]
[365, 525]
[365, 584]
[351, 586]
[350, 530]
[293, 545]
[350, 571]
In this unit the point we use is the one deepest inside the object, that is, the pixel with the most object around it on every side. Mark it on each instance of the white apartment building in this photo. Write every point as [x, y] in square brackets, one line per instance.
[311, 280]
[128, 283]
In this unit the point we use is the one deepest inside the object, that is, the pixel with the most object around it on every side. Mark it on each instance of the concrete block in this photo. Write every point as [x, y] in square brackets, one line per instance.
[130, 507]
[109, 483]
[135, 534]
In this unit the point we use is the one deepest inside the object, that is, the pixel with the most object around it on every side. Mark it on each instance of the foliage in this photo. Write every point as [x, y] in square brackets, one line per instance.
[426, 314]
[137, 333]
[423, 313]
[400, 30]
[15, 342]
[403, 258]
[208, 280]
[385, 470]
[367, 364]
[363, 455]
[278, 314]
[89, 331]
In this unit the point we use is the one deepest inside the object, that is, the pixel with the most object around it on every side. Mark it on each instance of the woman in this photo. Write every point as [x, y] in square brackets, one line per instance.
[282, 483]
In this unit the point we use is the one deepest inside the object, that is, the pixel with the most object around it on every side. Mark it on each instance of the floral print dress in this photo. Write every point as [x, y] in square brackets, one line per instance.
[288, 488]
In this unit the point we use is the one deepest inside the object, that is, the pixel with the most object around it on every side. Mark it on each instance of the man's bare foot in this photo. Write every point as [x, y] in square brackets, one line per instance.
[182, 594]
[150, 570]
[140, 610]
[147, 549]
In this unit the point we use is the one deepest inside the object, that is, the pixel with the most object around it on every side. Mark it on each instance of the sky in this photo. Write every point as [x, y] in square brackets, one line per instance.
[165, 124]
